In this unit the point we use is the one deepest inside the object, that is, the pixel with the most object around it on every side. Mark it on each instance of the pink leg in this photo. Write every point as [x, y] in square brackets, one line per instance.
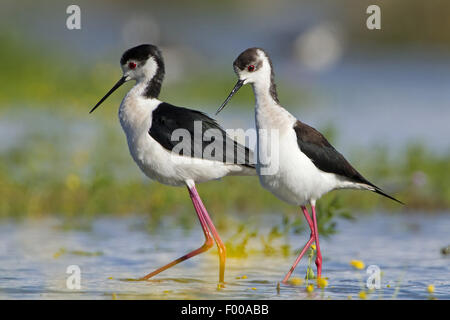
[208, 239]
[220, 245]
[316, 235]
[307, 245]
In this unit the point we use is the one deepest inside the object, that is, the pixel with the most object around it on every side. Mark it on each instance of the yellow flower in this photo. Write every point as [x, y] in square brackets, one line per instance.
[313, 246]
[72, 182]
[358, 264]
[296, 281]
[388, 286]
[322, 282]
[310, 288]
[110, 278]
[244, 277]
[362, 295]
[430, 288]
[253, 288]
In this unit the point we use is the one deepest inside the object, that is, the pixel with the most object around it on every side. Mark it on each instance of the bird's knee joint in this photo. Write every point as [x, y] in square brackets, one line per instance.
[208, 243]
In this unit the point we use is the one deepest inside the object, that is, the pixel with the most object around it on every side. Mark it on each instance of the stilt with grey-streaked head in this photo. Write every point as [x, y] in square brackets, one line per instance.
[150, 124]
[308, 166]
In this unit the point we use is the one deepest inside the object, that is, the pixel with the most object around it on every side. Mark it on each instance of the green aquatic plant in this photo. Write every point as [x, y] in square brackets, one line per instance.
[63, 251]
[237, 244]
[267, 241]
[309, 270]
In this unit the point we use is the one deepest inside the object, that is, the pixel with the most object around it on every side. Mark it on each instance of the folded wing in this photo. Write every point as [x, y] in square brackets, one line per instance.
[207, 140]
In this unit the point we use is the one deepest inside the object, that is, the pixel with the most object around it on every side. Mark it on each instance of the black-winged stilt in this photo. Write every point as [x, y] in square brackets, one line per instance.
[308, 166]
[149, 126]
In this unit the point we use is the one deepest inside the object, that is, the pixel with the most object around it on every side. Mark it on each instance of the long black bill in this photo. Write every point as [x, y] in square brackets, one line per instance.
[117, 85]
[238, 85]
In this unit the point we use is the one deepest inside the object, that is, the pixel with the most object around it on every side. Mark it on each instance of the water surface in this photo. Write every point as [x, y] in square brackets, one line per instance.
[34, 257]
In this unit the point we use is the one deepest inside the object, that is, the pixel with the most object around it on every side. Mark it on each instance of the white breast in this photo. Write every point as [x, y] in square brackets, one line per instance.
[293, 178]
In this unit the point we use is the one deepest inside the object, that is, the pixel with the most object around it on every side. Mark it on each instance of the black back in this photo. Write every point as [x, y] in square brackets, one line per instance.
[166, 118]
[325, 157]
[323, 154]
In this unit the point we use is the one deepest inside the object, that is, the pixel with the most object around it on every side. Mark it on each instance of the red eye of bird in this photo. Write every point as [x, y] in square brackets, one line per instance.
[251, 68]
[131, 65]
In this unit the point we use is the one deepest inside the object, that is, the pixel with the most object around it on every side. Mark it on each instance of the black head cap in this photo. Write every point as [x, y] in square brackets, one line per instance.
[141, 53]
[249, 56]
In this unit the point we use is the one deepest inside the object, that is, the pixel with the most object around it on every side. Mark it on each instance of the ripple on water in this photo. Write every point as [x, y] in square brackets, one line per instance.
[409, 258]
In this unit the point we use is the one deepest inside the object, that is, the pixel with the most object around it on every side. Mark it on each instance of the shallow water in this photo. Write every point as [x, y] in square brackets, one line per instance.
[110, 252]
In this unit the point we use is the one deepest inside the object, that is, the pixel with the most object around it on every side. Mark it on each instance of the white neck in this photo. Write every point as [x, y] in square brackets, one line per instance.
[138, 89]
[263, 98]
[135, 110]
[269, 114]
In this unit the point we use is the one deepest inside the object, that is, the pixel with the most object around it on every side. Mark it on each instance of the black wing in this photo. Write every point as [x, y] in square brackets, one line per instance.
[166, 118]
[325, 157]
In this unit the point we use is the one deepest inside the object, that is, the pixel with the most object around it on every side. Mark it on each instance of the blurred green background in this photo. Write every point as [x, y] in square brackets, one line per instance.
[380, 96]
